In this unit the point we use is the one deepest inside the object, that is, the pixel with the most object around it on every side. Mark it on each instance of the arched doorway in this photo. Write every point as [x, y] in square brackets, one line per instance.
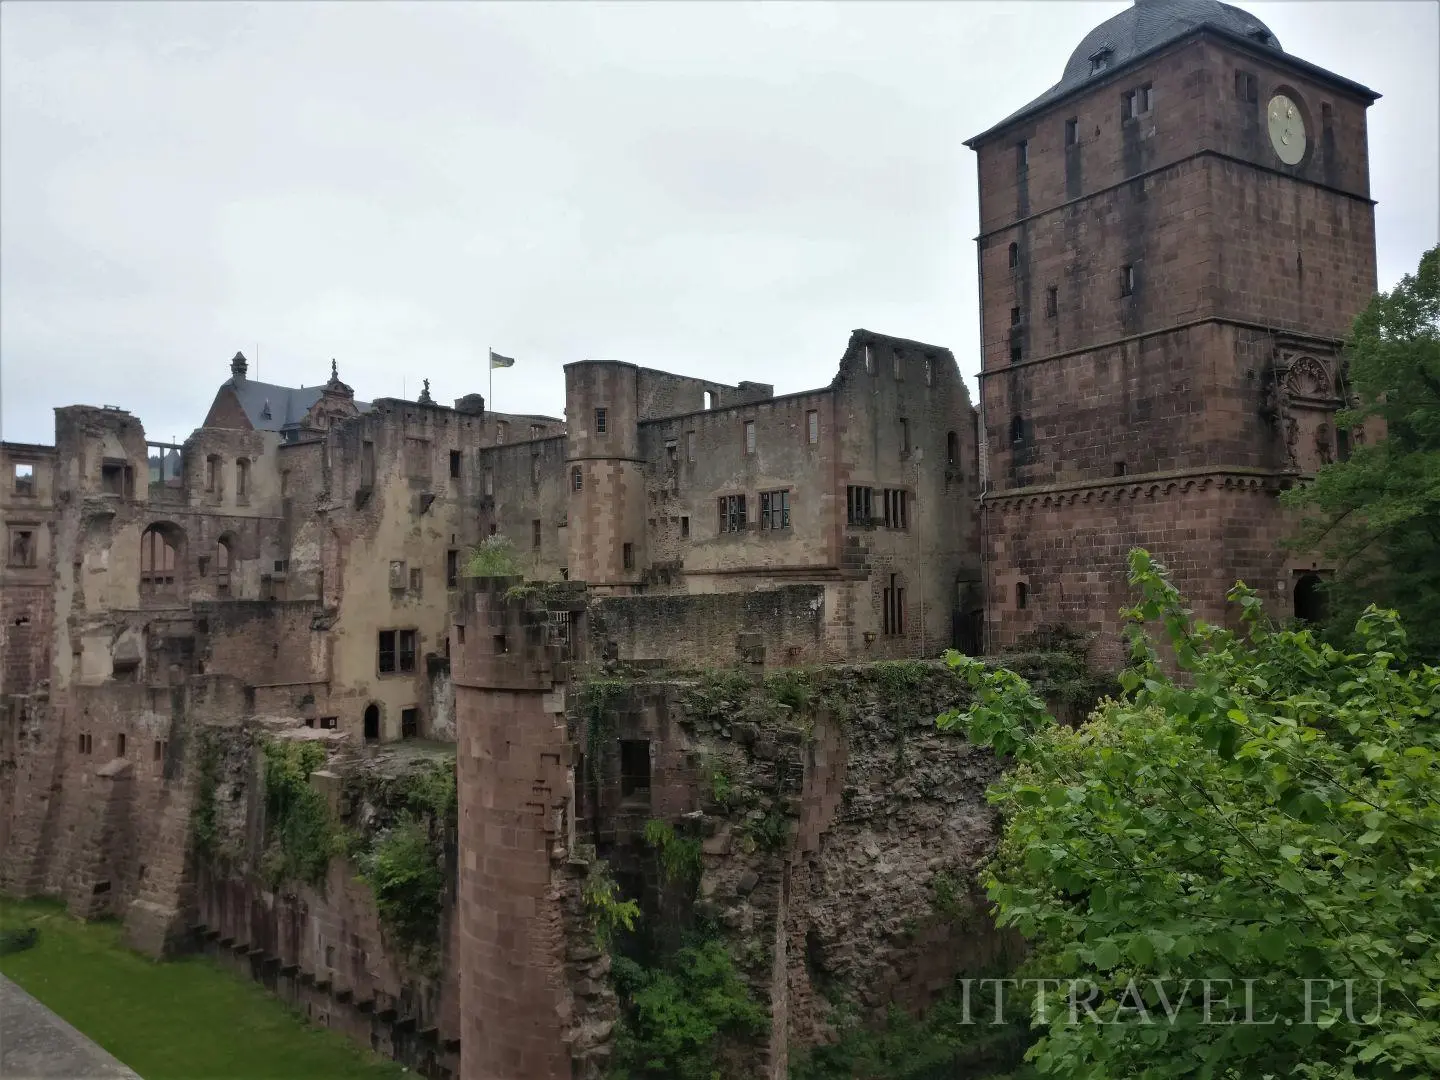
[372, 723]
[1309, 599]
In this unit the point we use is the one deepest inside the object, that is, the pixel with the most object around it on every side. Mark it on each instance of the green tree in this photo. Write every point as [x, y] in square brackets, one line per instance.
[1274, 816]
[1377, 514]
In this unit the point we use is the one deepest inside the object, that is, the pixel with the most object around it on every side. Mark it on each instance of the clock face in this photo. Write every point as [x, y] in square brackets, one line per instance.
[1287, 129]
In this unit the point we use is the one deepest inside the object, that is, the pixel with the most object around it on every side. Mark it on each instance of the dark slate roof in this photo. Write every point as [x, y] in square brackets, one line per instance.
[1149, 25]
[275, 408]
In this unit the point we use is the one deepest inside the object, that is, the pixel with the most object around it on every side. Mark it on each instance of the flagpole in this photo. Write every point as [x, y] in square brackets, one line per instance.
[490, 363]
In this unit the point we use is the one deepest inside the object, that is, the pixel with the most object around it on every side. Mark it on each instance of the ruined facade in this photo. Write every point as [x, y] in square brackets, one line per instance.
[1174, 240]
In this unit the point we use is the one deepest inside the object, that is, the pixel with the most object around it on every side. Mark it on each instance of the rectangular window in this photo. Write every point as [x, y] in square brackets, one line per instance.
[537, 431]
[1052, 302]
[599, 421]
[367, 465]
[116, 478]
[1022, 154]
[1014, 316]
[500, 431]
[893, 616]
[1127, 281]
[634, 767]
[535, 534]
[22, 547]
[812, 426]
[1135, 102]
[896, 507]
[899, 366]
[1246, 89]
[684, 528]
[409, 723]
[690, 446]
[417, 581]
[1072, 131]
[387, 652]
[120, 744]
[330, 723]
[452, 568]
[904, 436]
[490, 482]
[407, 650]
[858, 505]
[212, 468]
[1017, 345]
[732, 513]
[242, 478]
[929, 372]
[869, 361]
[628, 554]
[454, 464]
[749, 436]
[775, 510]
[25, 479]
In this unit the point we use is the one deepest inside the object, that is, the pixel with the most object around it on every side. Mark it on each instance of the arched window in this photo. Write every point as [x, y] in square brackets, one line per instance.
[1017, 429]
[159, 559]
[1309, 599]
[224, 560]
[952, 448]
[372, 723]
[1014, 256]
[577, 478]
[1022, 596]
[709, 400]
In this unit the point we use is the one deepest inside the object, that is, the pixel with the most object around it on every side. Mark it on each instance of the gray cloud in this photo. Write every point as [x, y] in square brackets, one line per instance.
[721, 188]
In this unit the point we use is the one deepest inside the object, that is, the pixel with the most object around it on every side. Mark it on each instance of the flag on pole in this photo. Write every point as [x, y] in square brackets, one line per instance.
[496, 360]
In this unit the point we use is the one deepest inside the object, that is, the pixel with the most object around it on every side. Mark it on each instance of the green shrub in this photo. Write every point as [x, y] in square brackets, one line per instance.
[679, 856]
[300, 835]
[677, 1018]
[405, 872]
[204, 818]
[608, 912]
[495, 556]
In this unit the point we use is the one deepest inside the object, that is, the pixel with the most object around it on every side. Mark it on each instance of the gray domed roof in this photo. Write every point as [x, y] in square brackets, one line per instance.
[1145, 27]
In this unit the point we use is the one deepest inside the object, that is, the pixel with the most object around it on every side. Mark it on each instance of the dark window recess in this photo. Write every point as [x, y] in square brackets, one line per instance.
[1072, 131]
[628, 554]
[634, 767]
[1017, 344]
[1052, 301]
[407, 650]
[952, 448]
[330, 722]
[1119, 468]
[600, 421]
[893, 621]
[372, 723]
[1022, 155]
[858, 505]
[1246, 88]
[501, 645]
[775, 510]
[455, 464]
[1017, 429]
[1022, 595]
[452, 568]
[397, 651]
[732, 513]
[904, 436]
[1099, 61]
[1342, 444]
[1135, 102]
[120, 745]
[535, 534]
[387, 651]
[684, 528]
[577, 478]
[1127, 281]
[896, 509]
[1014, 256]
[409, 723]
[1014, 316]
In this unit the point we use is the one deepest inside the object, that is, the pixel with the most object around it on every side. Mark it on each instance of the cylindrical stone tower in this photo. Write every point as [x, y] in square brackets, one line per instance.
[605, 475]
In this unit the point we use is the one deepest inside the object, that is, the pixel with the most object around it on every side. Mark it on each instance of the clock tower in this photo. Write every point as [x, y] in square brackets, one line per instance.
[1174, 240]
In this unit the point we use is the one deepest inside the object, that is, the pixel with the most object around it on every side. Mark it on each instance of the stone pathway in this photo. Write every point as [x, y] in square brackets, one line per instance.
[35, 1044]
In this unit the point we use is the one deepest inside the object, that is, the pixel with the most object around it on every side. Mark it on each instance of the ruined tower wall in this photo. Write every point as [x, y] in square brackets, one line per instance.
[606, 530]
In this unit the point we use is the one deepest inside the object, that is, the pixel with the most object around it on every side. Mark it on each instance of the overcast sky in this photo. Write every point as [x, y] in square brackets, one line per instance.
[717, 189]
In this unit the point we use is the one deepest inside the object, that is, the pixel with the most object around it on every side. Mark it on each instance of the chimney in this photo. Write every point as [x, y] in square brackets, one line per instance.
[238, 366]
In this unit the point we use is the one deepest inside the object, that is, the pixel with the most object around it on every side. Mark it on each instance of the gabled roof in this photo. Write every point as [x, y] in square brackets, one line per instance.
[1145, 28]
[270, 407]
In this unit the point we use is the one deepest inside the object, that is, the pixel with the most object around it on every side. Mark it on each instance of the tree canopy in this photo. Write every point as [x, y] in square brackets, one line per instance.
[1274, 818]
[1377, 514]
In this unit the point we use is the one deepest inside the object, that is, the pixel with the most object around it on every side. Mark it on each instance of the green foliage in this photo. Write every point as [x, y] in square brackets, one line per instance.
[179, 1019]
[721, 789]
[204, 817]
[950, 1040]
[950, 896]
[432, 792]
[608, 913]
[598, 700]
[716, 695]
[495, 556]
[679, 856]
[405, 871]
[769, 833]
[1276, 817]
[1378, 514]
[792, 687]
[677, 1018]
[300, 835]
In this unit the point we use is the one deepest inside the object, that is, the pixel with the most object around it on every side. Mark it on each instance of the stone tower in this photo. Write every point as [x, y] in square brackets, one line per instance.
[1173, 242]
[605, 474]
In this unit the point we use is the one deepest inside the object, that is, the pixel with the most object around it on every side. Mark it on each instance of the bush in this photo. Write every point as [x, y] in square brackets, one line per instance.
[405, 873]
[300, 836]
[495, 556]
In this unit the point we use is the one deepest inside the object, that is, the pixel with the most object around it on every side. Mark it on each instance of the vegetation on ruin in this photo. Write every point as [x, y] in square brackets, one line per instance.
[204, 816]
[300, 833]
[1376, 516]
[678, 856]
[958, 1036]
[1272, 816]
[769, 832]
[598, 701]
[175, 1020]
[405, 859]
[678, 1015]
[607, 910]
[495, 556]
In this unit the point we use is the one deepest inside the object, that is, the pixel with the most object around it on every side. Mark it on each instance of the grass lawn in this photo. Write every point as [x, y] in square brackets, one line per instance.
[185, 1019]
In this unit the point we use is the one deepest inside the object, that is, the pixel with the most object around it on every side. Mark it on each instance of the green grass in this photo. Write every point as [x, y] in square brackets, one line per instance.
[186, 1019]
